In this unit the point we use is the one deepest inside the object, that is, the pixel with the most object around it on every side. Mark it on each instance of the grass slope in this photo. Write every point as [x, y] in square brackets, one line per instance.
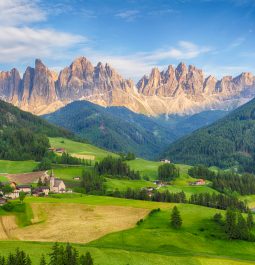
[198, 242]
[14, 167]
[76, 148]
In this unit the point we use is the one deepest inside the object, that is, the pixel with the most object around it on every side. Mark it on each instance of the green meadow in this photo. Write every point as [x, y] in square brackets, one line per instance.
[200, 241]
[15, 167]
[78, 148]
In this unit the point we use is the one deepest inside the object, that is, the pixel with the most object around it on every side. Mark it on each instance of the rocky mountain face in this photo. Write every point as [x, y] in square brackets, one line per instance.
[183, 90]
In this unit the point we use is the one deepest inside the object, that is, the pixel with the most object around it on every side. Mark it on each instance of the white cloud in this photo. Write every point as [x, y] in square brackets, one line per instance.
[21, 41]
[17, 12]
[137, 64]
[128, 15]
[18, 43]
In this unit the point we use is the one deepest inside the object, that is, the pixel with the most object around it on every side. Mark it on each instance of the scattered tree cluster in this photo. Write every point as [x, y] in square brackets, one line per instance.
[201, 171]
[52, 158]
[59, 255]
[128, 157]
[115, 167]
[218, 201]
[167, 172]
[17, 258]
[142, 194]
[231, 182]
[92, 182]
[236, 225]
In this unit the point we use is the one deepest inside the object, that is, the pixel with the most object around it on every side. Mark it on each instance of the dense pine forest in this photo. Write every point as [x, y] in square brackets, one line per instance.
[229, 142]
[23, 136]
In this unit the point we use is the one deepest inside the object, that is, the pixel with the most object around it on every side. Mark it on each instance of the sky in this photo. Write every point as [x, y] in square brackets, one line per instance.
[133, 36]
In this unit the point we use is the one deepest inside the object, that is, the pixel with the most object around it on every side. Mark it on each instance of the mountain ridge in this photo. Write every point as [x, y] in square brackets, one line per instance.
[180, 90]
[229, 142]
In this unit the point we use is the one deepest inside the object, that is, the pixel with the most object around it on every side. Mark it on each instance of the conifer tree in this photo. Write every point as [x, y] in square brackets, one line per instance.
[230, 226]
[176, 220]
[250, 220]
[242, 228]
[43, 261]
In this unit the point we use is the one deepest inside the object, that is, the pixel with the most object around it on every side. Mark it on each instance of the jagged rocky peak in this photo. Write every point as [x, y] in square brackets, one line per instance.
[183, 89]
[10, 84]
[181, 72]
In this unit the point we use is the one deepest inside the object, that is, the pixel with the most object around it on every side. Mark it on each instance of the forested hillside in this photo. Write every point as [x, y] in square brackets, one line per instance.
[23, 136]
[121, 130]
[116, 129]
[228, 142]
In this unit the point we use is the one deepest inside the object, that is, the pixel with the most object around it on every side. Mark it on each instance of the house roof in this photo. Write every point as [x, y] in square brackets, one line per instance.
[57, 182]
[23, 187]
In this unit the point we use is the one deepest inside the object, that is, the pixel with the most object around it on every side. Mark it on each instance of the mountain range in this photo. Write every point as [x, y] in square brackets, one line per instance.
[180, 90]
[120, 130]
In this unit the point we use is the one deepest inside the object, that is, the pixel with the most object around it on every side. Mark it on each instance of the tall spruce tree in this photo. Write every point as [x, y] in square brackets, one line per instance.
[43, 261]
[242, 229]
[176, 220]
[250, 222]
[230, 226]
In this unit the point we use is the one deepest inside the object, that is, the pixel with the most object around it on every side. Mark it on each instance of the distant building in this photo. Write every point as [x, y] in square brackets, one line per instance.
[60, 150]
[76, 178]
[166, 161]
[57, 185]
[24, 188]
[41, 191]
[17, 189]
[199, 182]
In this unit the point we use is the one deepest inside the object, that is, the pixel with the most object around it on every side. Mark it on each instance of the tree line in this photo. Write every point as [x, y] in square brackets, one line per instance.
[51, 158]
[115, 167]
[218, 201]
[226, 181]
[235, 225]
[59, 255]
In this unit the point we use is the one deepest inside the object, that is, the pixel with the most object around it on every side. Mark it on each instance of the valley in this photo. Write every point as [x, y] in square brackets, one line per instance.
[127, 132]
[88, 219]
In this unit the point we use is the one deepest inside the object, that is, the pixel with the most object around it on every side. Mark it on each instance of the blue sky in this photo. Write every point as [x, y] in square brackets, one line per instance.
[131, 35]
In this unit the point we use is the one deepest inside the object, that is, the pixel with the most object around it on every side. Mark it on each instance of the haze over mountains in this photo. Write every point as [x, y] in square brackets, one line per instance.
[180, 90]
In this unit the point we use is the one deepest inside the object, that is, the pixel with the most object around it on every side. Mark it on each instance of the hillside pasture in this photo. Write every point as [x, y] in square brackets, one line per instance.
[15, 167]
[71, 222]
[81, 150]
[200, 241]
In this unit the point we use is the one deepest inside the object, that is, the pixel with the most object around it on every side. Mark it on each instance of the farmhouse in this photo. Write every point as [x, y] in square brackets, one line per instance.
[17, 189]
[160, 183]
[24, 188]
[199, 182]
[60, 150]
[41, 191]
[166, 161]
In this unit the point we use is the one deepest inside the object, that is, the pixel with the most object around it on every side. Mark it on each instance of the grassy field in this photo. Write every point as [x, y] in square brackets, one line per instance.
[122, 185]
[81, 149]
[147, 168]
[14, 167]
[199, 242]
